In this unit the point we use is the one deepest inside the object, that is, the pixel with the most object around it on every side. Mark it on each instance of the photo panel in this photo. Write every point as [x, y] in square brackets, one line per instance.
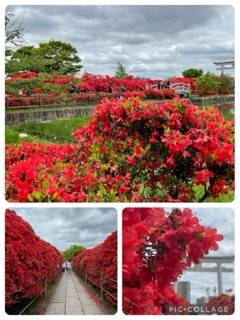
[178, 261]
[149, 118]
[61, 261]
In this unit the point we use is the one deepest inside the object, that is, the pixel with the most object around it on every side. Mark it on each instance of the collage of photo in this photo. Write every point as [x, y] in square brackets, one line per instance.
[119, 160]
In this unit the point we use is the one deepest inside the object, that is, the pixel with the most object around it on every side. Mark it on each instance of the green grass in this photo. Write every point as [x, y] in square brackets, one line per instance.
[57, 131]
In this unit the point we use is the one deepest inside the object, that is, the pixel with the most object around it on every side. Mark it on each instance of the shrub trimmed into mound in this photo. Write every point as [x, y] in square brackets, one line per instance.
[30, 261]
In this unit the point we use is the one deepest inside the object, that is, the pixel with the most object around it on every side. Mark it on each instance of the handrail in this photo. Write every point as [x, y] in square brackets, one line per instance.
[101, 285]
[56, 100]
[35, 298]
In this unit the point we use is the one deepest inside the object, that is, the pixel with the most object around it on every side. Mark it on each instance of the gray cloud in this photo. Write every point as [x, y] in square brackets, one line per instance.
[64, 227]
[151, 41]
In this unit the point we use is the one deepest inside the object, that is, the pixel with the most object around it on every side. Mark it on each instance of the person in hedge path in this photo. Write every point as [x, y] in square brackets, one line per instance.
[64, 266]
[69, 267]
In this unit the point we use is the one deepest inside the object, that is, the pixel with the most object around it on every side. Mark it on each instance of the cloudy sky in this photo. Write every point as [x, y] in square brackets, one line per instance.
[150, 41]
[64, 227]
[223, 220]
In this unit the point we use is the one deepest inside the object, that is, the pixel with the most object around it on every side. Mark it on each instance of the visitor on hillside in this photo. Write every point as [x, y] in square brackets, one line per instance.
[69, 267]
[78, 90]
[72, 89]
[110, 90]
[159, 85]
[122, 89]
[64, 266]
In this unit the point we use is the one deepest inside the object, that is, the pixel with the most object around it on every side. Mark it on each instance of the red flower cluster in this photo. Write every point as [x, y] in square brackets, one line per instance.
[160, 94]
[99, 264]
[23, 75]
[130, 151]
[157, 248]
[130, 94]
[35, 172]
[97, 83]
[225, 301]
[30, 261]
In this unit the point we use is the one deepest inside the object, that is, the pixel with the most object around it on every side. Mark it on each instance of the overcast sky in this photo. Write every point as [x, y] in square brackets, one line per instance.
[150, 41]
[223, 220]
[64, 227]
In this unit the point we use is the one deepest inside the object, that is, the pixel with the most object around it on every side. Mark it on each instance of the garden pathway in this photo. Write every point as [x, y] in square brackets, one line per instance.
[71, 297]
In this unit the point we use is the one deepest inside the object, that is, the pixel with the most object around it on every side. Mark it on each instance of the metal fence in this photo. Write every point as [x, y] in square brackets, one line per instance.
[102, 290]
[37, 101]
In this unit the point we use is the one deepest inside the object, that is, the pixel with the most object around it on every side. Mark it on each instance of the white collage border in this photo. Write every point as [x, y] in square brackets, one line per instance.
[120, 206]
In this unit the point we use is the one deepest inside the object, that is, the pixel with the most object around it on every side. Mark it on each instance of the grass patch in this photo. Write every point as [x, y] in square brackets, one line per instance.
[57, 131]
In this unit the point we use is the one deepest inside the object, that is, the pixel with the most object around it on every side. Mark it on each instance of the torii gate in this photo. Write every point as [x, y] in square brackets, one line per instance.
[218, 268]
[224, 65]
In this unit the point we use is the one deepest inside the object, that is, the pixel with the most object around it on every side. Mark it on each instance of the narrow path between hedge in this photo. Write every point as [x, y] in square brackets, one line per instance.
[71, 297]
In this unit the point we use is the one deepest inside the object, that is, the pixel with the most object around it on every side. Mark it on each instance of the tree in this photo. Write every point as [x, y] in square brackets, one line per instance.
[120, 71]
[192, 73]
[13, 32]
[72, 252]
[48, 57]
[207, 83]
[226, 84]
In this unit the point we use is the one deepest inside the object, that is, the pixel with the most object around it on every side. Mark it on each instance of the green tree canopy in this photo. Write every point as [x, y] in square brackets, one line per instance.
[207, 82]
[72, 252]
[120, 71]
[192, 73]
[48, 57]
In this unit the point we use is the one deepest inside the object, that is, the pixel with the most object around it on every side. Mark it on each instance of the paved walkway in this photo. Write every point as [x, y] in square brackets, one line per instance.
[71, 297]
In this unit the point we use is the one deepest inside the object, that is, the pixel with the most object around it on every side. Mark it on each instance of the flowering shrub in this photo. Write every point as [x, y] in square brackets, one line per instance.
[157, 248]
[223, 300]
[34, 172]
[32, 85]
[160, 93]
[139, 94]
[30, 261]
[130, 151]
[99, 264]
[96, 83]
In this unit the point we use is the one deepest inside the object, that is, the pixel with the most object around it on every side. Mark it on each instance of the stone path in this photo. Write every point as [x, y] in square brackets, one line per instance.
[71, 297]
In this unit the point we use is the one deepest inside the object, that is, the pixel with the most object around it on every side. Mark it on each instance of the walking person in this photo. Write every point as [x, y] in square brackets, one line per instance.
[122, 90]
[69, 267]
[64, 266]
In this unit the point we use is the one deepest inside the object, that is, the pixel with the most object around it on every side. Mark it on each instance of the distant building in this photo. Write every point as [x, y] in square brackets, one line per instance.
[183, 289]
[201, 301]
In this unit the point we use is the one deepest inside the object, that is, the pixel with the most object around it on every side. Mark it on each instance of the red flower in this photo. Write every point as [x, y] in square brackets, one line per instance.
[202, 176]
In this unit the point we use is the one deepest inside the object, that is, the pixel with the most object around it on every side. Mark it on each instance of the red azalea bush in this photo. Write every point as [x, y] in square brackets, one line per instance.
[160, 94]
[157, 248]
[36, 170]
[97, 83]
[130, 94]
[99, 264]
[30, 261]
[223, 304]
[130, 151]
